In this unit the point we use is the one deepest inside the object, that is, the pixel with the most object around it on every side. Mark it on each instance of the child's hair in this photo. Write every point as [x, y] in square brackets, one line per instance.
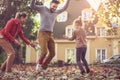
[55, 1]
[78, 21]
[21, 14]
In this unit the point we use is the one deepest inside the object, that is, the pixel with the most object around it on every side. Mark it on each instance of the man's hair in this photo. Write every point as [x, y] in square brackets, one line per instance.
[55, 1]
[21, 14]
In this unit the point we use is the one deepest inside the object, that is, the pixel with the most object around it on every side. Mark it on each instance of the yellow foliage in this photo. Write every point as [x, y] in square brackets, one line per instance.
[61, 0]
[118, 30]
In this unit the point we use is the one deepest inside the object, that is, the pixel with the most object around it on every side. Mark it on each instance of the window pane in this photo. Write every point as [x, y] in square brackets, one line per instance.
[102, 31]
[98, 55]
[103, 54]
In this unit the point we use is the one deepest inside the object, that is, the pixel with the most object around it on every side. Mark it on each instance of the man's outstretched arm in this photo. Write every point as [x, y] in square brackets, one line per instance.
[64, 7]
[34, 6]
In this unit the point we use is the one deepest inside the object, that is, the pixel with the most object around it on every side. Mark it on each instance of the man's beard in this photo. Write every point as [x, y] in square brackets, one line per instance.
[52, 10]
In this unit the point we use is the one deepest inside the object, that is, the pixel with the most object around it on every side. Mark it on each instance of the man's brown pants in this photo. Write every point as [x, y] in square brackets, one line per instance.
[47, 43]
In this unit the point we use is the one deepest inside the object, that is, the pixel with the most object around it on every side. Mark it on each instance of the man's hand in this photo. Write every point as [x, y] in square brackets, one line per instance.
[32, 45]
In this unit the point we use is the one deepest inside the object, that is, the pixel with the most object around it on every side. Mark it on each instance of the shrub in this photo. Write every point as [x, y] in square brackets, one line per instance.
[2, 57]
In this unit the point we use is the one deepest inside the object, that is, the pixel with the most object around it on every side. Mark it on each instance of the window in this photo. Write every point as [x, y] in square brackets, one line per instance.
[87, 14]
[69, 31]
[100, 54]
[70, 55]
[100, 31]
[63, 17]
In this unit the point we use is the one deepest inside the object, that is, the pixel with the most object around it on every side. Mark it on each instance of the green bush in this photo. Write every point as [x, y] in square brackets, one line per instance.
[2, 57]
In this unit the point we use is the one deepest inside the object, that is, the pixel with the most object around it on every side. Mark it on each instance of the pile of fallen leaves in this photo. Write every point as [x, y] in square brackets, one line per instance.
[27, 72]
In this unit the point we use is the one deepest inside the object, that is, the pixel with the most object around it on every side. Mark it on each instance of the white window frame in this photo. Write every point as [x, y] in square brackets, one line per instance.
[63, 17]
[101, 54]
[100, 31]
[69, 31]
[87, 14]
[66, 54]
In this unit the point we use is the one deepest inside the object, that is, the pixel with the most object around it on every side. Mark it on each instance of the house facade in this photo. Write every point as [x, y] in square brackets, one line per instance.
[99, 47]
[101, 42]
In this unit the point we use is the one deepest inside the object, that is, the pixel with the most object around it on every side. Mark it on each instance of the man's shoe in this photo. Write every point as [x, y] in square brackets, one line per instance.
[44, 66]
[38, 68]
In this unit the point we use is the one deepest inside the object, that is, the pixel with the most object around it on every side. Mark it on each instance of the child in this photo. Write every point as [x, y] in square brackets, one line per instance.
[81, 46]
